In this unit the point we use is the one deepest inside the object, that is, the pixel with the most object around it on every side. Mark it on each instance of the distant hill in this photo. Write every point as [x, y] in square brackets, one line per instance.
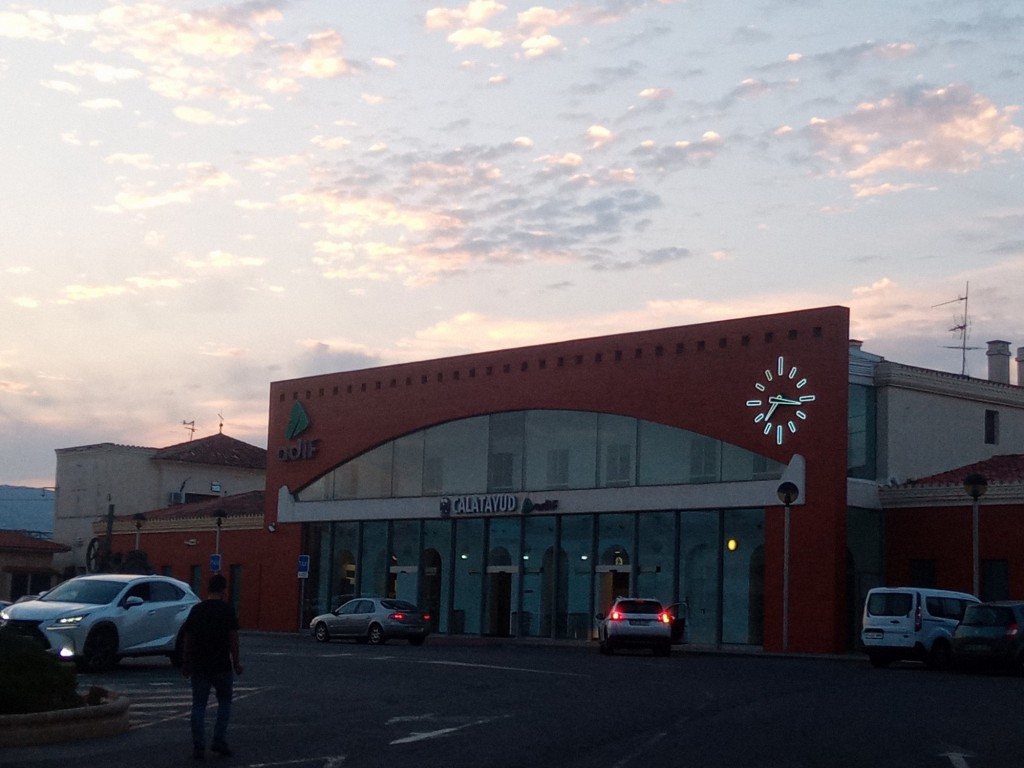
[26, 509]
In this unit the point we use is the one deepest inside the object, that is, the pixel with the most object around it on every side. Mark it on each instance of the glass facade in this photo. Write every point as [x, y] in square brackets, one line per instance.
[538, 450]
[534, 574]
[548, 575]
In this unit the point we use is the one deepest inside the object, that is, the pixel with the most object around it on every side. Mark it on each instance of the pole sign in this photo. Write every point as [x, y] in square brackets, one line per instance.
[303, 566]
[215, 563]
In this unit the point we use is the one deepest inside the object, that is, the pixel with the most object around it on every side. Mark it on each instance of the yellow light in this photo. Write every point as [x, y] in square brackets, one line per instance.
[732, 545]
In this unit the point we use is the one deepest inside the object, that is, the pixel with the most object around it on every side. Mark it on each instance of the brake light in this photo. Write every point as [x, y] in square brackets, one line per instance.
[1012, 630]
[917, 619]
[615, 616]
[665, 617]
[397, 616]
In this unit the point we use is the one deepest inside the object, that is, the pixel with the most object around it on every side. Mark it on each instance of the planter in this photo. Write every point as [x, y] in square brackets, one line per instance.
[88, 722]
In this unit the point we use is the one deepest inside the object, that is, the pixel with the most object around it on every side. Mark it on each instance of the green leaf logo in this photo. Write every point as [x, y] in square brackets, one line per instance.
[298, 421]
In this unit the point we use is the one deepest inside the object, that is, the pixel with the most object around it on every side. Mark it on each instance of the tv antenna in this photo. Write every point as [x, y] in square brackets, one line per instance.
[190, 427]
[961, 327]
[220, 430]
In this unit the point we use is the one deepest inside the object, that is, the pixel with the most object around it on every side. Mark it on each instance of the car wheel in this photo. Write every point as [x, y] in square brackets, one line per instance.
[416, 640]
[376, 635]
[879, 660]
[100, 652]
[321, 633]
[940, 656]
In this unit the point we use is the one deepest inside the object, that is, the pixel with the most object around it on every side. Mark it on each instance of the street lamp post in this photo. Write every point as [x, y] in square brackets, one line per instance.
[975, 484]
[219, 514]
[139, 518]
[788, 493]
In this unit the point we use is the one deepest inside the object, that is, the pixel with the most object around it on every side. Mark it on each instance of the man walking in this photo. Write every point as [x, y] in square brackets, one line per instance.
[210, 658]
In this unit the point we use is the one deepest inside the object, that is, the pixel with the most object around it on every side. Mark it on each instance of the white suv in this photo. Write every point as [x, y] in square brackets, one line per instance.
[636, 622]
[912, 623]
[95, 620]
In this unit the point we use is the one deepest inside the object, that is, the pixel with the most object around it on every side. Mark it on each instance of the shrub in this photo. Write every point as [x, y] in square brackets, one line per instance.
[31, 680]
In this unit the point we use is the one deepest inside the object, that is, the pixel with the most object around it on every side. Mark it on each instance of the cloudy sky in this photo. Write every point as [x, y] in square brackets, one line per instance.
[199, 198]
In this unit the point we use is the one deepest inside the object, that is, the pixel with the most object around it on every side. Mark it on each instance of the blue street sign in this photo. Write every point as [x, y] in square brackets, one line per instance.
[215, 563]
[303, 566]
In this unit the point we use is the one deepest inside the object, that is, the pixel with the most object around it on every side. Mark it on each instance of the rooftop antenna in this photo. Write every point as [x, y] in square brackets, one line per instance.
[220, 429]
[961, 326]
[190, 426]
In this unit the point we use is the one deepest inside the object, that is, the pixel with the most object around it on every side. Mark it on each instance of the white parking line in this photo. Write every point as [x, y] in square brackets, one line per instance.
[424, 735]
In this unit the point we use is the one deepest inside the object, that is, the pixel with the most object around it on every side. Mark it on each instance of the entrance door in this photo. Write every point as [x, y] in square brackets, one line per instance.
[499, 601]
[613, 581]
[430, 587]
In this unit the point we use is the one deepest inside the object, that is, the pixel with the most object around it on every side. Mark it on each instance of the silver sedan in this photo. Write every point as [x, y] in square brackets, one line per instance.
[372, 620]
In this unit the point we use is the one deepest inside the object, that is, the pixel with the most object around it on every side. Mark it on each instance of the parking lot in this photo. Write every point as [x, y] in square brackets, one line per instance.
[468, 703]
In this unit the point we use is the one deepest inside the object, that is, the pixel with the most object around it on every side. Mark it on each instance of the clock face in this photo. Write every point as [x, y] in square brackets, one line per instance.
[781, 401]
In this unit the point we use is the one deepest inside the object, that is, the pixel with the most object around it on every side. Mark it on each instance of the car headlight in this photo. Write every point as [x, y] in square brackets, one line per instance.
[68, 622]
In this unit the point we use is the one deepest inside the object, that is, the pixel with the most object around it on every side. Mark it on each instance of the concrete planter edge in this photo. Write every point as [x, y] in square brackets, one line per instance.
[88, 722]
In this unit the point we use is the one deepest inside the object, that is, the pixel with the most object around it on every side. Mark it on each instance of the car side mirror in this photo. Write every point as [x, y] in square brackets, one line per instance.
[133, 601]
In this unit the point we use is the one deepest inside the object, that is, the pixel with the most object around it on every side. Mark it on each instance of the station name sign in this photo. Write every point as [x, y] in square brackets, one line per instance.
[492, 504]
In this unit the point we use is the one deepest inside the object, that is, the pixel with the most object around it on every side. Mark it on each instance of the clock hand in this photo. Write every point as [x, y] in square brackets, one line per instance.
[780, 400]
[768, 416]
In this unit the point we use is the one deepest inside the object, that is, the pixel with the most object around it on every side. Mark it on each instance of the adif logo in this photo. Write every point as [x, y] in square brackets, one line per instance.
[298, 422]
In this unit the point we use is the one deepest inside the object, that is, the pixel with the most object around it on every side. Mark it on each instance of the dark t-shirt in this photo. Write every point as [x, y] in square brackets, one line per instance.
[209, 625]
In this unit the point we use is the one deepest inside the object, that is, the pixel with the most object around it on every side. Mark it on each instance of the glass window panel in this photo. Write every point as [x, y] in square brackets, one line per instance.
[344, 564]
[655, 548]
[662, 454]
[405, 542]
[577, 537]
[704, 463]
[469, 566]
[614, 558]
[698, 575]
[739, 465]
[373, 575]
[543, 570]
[743, 577]
[365, 477]
[437, 566]
[318, 541]
[561, 450]
[617, 450]
[507, 441]
[408, 465]
[455, 457]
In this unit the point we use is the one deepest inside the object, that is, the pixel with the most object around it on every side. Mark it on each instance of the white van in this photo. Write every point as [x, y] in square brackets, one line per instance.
[912, 623]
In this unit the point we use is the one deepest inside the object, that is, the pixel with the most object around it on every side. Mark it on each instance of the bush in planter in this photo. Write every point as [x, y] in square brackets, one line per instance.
[31, 680]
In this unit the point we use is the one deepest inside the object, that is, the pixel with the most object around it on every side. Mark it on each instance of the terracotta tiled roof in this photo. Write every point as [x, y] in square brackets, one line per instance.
[219, 450]
[236, 505]
[1008, 468]
[20, 540]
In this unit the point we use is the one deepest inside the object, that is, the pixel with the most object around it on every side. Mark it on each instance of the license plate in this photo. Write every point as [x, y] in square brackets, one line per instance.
[874, 634]
[638, 623]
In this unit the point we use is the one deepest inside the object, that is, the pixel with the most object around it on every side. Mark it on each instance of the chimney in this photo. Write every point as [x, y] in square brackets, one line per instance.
[999, 361]
[1020, 366]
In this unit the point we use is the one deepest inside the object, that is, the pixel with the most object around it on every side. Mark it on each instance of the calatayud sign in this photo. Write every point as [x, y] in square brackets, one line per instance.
[493, 504]
[302, 449]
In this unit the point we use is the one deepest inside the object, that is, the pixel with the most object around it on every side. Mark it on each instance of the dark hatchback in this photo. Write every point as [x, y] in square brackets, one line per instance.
[991, 634]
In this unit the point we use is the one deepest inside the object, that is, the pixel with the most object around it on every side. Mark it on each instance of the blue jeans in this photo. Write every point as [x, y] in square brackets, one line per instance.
[222, 685]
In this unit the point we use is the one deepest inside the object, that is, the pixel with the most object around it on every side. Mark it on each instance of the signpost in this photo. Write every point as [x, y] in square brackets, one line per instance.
[215, 563]
[303, 575]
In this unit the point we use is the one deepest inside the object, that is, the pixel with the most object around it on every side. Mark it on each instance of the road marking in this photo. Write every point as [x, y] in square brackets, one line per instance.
[331, 762]
[424, 735]
[479, 666]
[958, 759]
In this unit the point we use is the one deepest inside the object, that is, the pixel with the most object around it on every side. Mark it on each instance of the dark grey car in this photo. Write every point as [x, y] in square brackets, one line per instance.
[991, 634]
[373, 620]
